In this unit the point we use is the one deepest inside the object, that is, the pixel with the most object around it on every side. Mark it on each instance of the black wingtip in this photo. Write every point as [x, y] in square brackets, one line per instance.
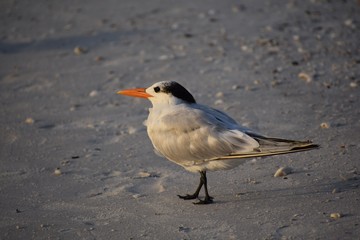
[307, 147]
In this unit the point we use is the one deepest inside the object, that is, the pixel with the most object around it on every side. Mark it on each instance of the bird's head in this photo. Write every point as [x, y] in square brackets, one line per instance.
[166, 92]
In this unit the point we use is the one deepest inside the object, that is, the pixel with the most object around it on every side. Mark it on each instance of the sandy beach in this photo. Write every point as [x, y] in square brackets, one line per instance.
[76, 161]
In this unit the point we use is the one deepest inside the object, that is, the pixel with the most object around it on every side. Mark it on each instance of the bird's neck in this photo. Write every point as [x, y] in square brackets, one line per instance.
[165, 102]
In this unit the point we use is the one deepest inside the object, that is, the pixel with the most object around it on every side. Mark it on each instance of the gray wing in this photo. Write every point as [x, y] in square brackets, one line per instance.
[197, 134]
[272, 146]
[267, 145]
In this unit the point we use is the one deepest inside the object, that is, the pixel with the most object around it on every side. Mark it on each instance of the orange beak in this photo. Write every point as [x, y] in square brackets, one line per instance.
[136, 92]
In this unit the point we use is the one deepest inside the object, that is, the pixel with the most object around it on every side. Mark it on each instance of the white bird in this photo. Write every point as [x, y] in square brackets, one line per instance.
[200, 138]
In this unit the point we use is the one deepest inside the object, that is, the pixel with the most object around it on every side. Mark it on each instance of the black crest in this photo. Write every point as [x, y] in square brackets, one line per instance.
[178, 91]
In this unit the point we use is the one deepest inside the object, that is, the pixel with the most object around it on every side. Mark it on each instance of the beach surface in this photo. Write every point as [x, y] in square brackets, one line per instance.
[75, 158]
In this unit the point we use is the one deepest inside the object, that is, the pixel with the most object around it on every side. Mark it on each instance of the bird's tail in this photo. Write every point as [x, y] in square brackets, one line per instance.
[274, 146]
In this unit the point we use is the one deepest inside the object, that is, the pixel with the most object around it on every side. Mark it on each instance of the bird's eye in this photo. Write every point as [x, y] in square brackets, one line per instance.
[156, 89]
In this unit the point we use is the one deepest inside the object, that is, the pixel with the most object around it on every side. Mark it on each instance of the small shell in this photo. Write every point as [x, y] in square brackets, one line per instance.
[137, 195]
[335, 190]
[283, 171]
[304, 76]
[235, 87]
[218, 102]
[132, 130]
[143, 174]
[29, 120]
[93, 93]
[79, 50]
[57, 172]
[353, 84]
[219, 94]
[335, 215]
[325, 125]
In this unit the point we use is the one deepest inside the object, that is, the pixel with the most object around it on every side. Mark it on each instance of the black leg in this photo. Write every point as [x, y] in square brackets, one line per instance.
[203, 181]
[207, 198]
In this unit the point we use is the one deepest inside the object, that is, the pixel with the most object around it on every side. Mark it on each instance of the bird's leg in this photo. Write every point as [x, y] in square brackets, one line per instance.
[203, 181]
[207, 198]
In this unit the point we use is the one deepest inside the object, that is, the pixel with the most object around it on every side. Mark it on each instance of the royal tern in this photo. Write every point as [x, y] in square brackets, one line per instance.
[200, 138]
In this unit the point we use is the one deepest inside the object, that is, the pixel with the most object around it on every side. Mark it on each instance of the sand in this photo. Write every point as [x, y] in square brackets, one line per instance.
[76, 162]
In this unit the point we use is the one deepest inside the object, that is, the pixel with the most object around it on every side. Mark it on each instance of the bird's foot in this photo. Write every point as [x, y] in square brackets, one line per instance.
[207, 200]
[188, 196]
